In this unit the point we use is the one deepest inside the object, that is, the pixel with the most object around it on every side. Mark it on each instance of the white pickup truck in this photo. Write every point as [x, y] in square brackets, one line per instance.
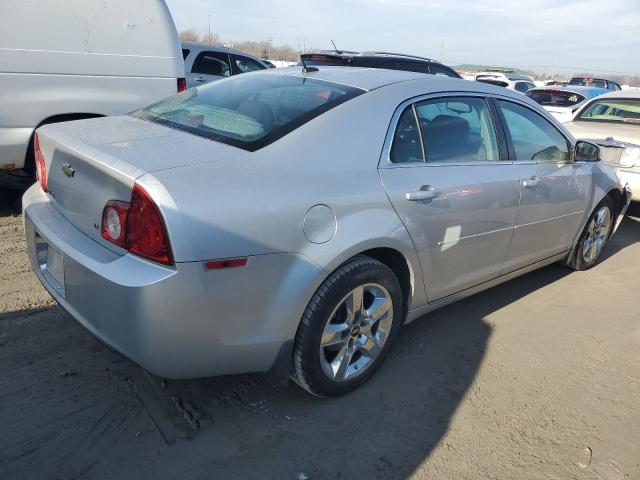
[76, 59]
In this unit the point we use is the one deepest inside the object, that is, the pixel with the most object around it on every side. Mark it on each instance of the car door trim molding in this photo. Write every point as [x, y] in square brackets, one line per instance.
[522, 225]
[476, 235]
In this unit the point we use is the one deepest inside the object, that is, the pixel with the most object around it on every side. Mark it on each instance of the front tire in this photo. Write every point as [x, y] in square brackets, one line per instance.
[347, 328]
[595, 236]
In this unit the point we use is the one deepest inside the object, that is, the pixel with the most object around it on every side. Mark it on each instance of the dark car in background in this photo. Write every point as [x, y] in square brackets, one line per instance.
[595, 83]
[386, 60]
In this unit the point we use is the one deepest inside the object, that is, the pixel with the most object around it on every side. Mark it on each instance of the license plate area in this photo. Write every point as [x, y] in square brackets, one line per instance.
[51, 263]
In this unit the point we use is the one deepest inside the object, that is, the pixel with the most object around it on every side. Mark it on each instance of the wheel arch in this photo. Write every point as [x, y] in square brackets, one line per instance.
[63, 117]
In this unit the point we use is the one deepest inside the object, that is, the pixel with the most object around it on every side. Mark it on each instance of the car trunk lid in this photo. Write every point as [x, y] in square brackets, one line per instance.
[90, 162]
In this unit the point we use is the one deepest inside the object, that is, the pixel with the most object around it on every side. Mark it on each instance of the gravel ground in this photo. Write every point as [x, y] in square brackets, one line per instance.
[537, 378]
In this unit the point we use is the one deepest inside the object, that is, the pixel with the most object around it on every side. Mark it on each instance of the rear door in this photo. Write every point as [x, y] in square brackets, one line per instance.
[207, 67]
[553, 189]
[443, 171]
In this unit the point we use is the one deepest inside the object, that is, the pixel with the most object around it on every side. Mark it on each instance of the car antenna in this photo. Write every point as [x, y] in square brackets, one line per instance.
[335, 49]
[306, 69]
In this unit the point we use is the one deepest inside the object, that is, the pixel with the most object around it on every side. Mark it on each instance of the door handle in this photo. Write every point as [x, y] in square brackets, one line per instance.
[532, 182]
[426, 192]
[200, 79]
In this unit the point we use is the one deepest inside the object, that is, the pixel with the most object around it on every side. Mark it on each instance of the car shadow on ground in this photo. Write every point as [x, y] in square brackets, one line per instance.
[72, 408]
[386, 429]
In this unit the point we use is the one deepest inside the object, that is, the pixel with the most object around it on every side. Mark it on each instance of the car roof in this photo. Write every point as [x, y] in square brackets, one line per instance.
[215, 48]
[374, 54]
[584, 91]
[372, 78]
[632, 93]
[360, 77]
[503, 75]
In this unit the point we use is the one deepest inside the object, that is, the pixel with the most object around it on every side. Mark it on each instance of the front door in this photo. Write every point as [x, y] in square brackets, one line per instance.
[458, 200]
[553, 189]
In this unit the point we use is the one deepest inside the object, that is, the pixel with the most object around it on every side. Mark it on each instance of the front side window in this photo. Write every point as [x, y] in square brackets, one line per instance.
[612, 111]
[533, 137]
[212, 63]
[245, 64]
[248, 111]
[450, 130]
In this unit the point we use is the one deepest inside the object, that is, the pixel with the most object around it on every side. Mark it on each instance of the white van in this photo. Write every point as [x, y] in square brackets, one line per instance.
[72, 59]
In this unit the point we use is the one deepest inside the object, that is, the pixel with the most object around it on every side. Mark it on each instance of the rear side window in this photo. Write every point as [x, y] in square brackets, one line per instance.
[524, 87]
[436, 69]
[555, 98]
[248, 111]
[212, 63]
[245, 64]
[533, 137]
[446, 131]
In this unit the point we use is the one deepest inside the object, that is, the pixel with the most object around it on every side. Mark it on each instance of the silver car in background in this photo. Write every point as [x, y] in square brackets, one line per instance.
[613, 122]
[293, 220]
[208, 63]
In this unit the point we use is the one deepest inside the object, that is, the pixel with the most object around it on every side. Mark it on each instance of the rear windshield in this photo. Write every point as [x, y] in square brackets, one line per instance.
[499, 83]
[612, 111]
[248, 111]
[326, 60]
[555, 98]
[588, 82]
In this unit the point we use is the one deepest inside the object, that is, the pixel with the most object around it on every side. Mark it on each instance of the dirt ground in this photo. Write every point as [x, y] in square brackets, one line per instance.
[536, 379]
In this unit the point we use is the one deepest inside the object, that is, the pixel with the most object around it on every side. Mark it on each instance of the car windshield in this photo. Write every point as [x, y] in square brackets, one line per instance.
[248, 111]
[588, 82]
[555, 98]
[613, 110]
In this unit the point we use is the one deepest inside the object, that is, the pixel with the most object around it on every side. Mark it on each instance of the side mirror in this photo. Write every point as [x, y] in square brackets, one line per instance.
[586, 152]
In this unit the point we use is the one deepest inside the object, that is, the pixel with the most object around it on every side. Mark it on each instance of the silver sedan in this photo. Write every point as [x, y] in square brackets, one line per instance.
[292, 220]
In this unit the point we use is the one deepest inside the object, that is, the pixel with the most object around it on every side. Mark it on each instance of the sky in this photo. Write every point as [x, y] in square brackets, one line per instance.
[543, 35]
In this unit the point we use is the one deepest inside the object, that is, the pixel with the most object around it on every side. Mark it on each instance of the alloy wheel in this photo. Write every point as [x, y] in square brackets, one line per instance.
[356, 332]
[597, 234]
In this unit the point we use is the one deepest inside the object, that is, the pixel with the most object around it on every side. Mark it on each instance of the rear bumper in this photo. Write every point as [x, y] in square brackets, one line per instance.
[13, 147]
[177, 322]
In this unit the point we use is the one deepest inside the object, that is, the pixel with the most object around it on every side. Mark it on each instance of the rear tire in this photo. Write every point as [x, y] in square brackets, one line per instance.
[348, 328]
[595, 236]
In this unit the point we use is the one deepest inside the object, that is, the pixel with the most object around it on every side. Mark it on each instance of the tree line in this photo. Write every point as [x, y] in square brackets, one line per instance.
[262, 49]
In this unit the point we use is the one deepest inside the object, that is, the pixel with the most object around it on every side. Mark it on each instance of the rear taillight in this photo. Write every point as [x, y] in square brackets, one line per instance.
[182, 84]
[146, 235]
[137, 226]
[114, 222]
[41, 165]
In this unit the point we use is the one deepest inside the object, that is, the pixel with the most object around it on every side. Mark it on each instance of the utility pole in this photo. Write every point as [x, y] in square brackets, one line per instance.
[269, 47]
[441, 51]
[209, 29]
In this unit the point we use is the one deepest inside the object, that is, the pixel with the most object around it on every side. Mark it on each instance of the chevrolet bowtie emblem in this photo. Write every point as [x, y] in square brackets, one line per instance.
[68, 170]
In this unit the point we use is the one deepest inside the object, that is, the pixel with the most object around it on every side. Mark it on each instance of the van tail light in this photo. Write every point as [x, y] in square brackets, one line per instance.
[182, 84]
[41, 164]
[137, 227]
